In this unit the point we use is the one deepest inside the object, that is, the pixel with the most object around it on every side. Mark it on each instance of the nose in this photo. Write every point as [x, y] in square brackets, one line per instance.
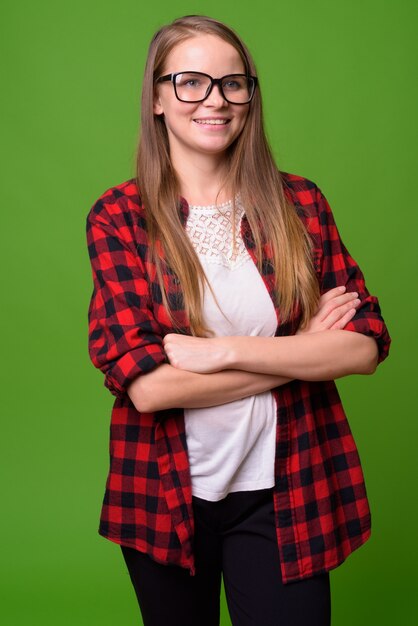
[215, 98]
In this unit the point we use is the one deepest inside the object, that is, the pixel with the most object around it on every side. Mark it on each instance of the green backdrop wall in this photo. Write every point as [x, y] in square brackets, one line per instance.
[340, 103]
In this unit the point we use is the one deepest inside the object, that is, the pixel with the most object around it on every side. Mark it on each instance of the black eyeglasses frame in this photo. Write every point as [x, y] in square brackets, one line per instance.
[213, 81]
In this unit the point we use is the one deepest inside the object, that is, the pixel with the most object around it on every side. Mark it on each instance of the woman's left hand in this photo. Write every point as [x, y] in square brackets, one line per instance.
[196, 354]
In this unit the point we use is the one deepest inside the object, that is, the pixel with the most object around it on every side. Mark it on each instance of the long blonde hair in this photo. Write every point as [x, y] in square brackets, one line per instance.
[267, 209]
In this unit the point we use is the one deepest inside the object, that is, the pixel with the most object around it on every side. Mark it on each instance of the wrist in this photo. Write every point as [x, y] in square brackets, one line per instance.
[233, 352]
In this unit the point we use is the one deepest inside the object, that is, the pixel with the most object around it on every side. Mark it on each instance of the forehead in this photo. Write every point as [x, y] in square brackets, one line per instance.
[205, 53]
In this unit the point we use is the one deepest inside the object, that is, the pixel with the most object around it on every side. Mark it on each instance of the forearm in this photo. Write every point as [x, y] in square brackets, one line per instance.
[322, 355]
[167, 387]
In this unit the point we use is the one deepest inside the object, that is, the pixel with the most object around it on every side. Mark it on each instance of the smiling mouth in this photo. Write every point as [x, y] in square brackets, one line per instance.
[213, 122]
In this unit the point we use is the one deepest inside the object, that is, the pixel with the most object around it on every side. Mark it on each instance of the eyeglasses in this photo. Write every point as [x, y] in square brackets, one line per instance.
[196, 86]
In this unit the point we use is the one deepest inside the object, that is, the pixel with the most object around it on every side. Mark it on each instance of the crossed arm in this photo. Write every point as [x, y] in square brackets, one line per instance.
[211, 371]
[125, 340]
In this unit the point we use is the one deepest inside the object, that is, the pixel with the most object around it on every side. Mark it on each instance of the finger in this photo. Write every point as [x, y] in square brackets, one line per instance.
[175, 339]
[338, 299]
[347, 299]
[168, 337]
[173, 357]
[340, 312]
[332, 293]
[341, 323]
[338, 294]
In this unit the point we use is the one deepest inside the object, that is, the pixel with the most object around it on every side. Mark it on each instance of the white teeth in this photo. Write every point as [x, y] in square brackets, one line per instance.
[211, 121]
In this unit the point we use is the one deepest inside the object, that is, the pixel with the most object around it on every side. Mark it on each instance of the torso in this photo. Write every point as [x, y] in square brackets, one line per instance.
[231, 446]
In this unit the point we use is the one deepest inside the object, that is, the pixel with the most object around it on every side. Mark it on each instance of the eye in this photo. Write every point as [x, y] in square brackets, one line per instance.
[190, 82]
[233, 84]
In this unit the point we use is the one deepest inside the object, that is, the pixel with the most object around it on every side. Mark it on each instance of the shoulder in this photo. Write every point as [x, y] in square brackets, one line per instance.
[310, 203]
[118, 205]
[302, 191]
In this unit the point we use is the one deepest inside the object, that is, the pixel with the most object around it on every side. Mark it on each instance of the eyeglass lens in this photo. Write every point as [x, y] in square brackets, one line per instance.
[193, 86]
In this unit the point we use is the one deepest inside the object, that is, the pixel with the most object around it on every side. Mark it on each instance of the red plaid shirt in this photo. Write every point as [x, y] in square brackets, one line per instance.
[321, 509]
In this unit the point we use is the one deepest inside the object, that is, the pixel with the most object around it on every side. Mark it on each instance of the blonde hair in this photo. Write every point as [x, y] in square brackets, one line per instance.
[271, 217]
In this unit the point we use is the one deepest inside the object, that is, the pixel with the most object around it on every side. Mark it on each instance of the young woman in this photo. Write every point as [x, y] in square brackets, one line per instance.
[222, 299]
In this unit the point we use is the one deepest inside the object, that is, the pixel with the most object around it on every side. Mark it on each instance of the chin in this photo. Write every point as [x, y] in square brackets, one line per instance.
[215, 147]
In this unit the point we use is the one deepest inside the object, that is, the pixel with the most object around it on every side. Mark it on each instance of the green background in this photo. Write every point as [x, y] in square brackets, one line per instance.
[338, 82]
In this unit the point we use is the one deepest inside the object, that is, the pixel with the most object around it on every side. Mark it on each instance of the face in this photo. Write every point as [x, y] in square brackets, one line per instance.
[185, 122]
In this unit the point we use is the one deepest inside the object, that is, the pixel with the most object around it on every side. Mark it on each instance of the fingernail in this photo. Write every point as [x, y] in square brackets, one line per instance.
[356, 301]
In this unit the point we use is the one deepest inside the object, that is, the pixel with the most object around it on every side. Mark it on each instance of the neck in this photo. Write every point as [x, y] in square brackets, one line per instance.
[201, 177]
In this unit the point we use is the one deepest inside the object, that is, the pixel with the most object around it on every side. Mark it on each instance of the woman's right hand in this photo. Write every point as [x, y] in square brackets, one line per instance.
[335, 310]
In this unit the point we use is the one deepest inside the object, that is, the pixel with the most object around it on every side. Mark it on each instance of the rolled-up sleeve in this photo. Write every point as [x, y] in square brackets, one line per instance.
[339, 268]
[124, 339]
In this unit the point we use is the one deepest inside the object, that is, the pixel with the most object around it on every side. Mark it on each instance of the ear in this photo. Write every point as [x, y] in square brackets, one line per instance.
[157, 106]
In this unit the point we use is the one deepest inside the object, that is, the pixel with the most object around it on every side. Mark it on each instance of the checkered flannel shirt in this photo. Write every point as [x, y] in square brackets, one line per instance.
[322, 512]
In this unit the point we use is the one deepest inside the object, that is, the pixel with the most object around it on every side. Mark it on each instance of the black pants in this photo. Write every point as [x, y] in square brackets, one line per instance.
[236, 538]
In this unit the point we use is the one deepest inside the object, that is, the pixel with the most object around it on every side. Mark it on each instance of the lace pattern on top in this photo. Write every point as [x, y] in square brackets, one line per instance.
[210, 229]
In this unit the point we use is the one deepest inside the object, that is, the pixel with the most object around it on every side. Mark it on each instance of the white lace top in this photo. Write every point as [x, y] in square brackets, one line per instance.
[232, 446]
